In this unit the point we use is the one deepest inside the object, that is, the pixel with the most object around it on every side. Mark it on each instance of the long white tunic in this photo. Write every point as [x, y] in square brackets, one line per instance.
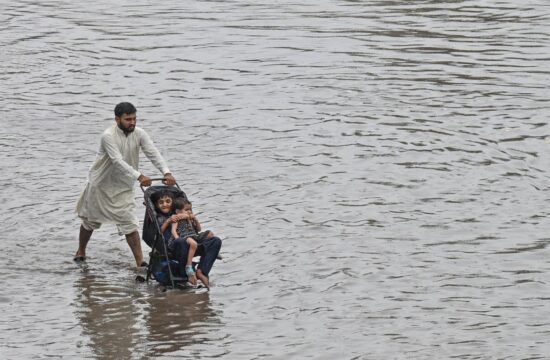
[109, 193]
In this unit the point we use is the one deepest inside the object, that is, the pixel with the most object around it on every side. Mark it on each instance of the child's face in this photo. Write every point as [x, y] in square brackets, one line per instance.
[186, 209]
[165, 204]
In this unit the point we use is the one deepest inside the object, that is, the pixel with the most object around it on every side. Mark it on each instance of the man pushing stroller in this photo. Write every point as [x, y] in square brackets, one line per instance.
[109, 193]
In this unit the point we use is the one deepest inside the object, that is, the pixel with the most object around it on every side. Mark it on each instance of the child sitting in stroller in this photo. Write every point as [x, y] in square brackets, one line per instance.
[182, 228]
[189, 226]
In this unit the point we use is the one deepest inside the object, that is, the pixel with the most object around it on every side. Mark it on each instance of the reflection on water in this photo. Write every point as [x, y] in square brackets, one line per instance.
[124, 322]
[107, 315]
[176, 320]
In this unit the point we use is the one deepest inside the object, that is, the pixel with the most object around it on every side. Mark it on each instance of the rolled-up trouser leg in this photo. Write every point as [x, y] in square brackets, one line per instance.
[208, 250]
[180, 249]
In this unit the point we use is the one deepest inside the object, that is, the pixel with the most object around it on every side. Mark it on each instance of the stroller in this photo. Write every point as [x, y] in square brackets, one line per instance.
[164, 270]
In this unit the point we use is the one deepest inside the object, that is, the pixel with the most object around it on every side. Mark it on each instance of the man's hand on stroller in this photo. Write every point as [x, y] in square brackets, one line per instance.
[169, 179]
[144, 180]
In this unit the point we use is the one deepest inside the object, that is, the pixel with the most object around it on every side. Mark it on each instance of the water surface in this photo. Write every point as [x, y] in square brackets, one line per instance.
[377, 170]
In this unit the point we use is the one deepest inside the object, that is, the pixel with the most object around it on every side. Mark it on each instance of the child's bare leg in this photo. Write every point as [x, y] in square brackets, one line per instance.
[203, 278]
[192, 250]
[189, 265]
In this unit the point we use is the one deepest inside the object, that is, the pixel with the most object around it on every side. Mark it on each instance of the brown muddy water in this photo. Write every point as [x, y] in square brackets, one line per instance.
[378, 170]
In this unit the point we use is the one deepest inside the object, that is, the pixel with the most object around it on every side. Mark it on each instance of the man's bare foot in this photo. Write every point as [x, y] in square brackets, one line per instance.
[141, 263]
[78, 257]
[203, 278]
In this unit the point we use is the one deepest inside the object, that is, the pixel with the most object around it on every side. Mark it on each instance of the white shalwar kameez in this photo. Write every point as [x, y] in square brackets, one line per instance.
[109, 193]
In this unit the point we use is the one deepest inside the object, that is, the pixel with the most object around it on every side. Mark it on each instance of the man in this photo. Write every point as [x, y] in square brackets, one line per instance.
[109, 193]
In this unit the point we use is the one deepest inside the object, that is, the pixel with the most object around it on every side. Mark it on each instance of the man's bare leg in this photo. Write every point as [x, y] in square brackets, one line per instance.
[135, 244]
[83, 238]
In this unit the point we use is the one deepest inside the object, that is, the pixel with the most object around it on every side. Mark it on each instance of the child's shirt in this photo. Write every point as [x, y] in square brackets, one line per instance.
[185, 229]
[161, 218]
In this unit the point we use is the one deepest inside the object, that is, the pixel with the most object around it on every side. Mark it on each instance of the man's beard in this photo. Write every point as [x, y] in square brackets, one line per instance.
[127, 130]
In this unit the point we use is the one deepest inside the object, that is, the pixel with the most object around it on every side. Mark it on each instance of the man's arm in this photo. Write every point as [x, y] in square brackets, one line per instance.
[152, 153]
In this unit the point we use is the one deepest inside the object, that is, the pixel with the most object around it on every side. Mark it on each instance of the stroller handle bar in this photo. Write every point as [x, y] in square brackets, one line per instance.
[156, 179]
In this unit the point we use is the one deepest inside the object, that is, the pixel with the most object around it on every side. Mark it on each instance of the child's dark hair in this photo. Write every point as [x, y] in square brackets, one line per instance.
[179, 203]
[163, 193]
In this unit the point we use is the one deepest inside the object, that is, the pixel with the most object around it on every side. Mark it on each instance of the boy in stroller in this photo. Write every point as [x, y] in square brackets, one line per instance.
[180, 244]
[171, 261]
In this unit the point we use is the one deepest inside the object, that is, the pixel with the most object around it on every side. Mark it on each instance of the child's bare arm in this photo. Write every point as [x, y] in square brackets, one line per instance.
[196, 224]
[165, 225]
[194, 221]
[174, 230]
[172, 220]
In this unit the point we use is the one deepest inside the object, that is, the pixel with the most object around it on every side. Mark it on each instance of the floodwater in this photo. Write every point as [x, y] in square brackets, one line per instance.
[378, 171]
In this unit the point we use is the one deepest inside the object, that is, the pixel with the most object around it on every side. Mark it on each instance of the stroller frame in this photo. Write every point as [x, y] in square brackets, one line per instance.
[153, 236]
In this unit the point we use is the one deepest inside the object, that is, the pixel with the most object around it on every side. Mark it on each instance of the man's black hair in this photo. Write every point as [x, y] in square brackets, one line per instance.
[124, 108]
